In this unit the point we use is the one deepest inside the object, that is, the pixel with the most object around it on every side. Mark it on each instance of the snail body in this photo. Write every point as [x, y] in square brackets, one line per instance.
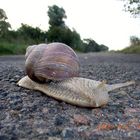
[54, 61]
[76, 91]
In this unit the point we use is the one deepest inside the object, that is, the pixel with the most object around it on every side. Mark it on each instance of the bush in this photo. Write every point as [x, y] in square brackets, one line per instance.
[91, 46]
[65, 35]
[11, 48]
[31, 34]
[131, 49]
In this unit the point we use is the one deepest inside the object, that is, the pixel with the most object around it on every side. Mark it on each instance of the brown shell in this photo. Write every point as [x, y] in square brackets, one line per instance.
[54, 61]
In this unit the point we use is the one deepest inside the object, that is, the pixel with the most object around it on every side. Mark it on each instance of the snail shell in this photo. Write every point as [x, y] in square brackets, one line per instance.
[54, 61]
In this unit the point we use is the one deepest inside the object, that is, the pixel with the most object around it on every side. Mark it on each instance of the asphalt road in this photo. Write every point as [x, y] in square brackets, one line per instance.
[27, 114]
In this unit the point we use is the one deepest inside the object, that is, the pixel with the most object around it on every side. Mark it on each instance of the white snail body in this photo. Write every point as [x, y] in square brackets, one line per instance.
[77, 91]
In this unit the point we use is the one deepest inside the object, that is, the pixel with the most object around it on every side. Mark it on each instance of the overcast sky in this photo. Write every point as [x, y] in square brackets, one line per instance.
[102, 20]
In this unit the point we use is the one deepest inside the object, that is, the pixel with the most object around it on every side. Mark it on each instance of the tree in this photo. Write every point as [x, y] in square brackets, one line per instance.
[64, 35]
[59, 32]
[56, 16]
[31, 34]
[91, 46]
[132, 6]
[103, 48]
[134, 41]
[2, 14]
[4, 25]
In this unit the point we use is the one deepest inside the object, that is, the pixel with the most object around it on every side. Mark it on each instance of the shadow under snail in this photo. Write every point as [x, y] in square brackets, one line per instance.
[58, 62]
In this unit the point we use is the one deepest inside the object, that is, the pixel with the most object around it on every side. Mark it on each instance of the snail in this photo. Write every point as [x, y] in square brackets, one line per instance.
[54, 61]
[77, 91]
[46, 64]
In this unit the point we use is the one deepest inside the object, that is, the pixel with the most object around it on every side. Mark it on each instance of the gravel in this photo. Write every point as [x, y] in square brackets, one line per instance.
[31, 115]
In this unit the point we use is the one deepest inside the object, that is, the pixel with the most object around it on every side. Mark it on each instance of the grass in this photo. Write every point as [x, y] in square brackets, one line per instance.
[7, 48]
[12, 48]
[131, 49]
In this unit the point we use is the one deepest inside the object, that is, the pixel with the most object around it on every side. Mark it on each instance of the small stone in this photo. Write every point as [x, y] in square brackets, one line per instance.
[12, 80]
[41, 130]
[82, 128]
[23, 94]
[59, 120]
[54, 138]
[45, 110]
[68, 133]
[54, 132]
[81, 119]
[16, 76]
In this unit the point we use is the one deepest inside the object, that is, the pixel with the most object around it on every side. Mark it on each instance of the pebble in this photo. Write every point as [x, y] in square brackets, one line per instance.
[12, 80]
[54, 131]
[59, 120]
[54, 138]
[68, 133]
[81, 119]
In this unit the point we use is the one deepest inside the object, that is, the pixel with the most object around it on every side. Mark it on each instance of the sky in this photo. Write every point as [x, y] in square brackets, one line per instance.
[102, 20]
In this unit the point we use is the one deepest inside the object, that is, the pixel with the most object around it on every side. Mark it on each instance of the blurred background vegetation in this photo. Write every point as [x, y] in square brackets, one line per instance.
[16, 41]
[133, 7]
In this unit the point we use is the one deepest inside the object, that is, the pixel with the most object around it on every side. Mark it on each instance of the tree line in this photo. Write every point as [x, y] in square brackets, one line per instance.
[58, 32]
